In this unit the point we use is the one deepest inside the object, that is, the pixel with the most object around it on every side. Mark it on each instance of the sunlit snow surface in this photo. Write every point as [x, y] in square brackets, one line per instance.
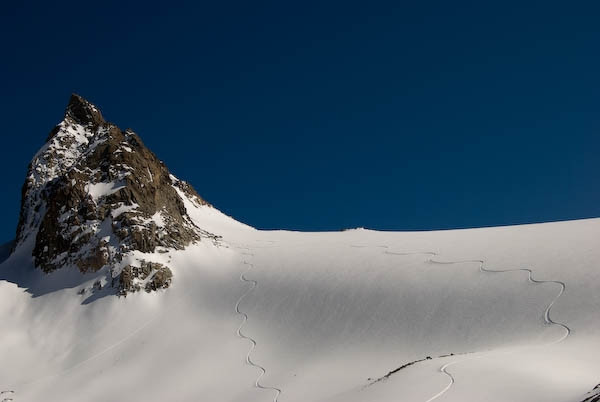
[330, 313]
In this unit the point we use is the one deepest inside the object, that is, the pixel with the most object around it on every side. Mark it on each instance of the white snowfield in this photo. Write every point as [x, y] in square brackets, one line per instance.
[302, 317]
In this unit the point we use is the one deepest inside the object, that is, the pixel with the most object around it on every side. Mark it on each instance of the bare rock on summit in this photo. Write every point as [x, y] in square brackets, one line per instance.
[95, 194]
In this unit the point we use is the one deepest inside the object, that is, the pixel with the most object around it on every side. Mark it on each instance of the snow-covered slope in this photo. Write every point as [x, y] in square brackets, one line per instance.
[287, 316]
[238, 314]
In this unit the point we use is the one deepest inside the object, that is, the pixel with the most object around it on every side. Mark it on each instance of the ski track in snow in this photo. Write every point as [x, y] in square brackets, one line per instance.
[547, 319]
[240, 334]
[6, 395]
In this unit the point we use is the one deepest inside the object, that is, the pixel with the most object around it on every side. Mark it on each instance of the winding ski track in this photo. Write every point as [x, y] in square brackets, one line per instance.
[547, 318]
[253, 285]
[530, 277]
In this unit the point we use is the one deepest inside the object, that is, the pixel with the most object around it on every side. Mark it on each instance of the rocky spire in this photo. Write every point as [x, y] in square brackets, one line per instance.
[83, 112]
[95, 195]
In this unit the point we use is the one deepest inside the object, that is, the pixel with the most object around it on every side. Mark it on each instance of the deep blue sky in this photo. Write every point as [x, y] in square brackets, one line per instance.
[312, 116]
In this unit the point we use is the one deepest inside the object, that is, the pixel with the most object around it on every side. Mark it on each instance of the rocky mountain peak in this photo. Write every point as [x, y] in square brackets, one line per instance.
[96, 198]
[80, 111]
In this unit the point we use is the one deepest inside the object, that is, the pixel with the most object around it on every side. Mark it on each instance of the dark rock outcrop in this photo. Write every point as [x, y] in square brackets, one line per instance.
[148, 276]
[95, 193]
[593, 395]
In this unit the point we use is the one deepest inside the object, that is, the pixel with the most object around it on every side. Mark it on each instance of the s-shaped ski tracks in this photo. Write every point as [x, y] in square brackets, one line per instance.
[240, 334]
[547, 319]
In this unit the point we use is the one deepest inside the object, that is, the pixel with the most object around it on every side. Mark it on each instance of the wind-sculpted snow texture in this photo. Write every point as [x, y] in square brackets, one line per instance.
[509, 313]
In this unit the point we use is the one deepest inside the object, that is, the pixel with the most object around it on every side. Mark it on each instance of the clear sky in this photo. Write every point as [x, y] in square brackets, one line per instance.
[327, 115]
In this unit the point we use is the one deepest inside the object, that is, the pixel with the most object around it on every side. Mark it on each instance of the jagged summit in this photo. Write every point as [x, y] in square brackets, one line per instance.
[95, 197]
[83, 112]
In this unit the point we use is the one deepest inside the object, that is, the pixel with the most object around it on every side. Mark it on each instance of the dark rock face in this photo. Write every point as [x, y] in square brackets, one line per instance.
[149, 276]
[94, 194]
[82, 112]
